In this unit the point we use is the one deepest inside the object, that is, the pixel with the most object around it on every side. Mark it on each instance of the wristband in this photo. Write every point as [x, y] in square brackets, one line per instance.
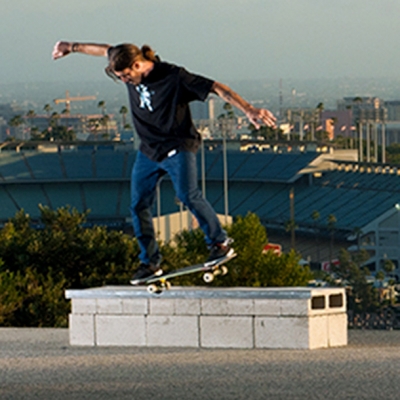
[74, 47]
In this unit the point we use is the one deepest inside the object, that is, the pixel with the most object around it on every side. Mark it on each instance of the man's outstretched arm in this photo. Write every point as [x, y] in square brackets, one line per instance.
[257, 116]
[62, 49]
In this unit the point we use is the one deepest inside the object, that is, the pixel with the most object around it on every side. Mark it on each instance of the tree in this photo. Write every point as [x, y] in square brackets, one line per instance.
[102, 104]
[16, 122]
[357, 231]
[47, 108]
[315, 215]
[36, 266]
[93, 125]
[227, 121]
[30, 115]
[104, 123]
[361, 294]
[123, 111]
[55, 116]
[331, 227]
[66, 112]
[251, 267]
[57, 133]
[267, 132]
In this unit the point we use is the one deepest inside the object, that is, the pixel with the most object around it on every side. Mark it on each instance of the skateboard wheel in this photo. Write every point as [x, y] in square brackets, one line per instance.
[154, 289]
[224, 270]
[208, 277]
[167, 285]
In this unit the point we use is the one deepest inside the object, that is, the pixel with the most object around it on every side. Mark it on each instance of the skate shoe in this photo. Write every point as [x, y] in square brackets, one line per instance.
[220, 250]
[144, 271]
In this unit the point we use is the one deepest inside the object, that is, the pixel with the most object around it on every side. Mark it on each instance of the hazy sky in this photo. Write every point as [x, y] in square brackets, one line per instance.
[222, 39]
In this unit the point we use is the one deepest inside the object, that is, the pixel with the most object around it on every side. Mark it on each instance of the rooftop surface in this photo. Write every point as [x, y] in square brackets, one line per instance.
[40, 364]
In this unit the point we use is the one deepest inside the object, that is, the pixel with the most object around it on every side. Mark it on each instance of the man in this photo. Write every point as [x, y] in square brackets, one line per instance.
[159, 95]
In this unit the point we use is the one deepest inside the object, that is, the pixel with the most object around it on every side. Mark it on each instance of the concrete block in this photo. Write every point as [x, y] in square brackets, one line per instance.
[281, 332]
[337, 330]
[120, 330]
[318, 332]
[81, 330]
[294, 318]
[84, 306]
[159, 306]
[187, 306]
[109, 306]
[267, 307]
[227, 306]
[135, 306]
[337, 302]
[297, 307]
[174, 331]
[226, 332]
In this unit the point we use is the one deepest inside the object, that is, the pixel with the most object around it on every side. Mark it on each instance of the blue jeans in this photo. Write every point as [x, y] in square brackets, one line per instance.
[182, 169]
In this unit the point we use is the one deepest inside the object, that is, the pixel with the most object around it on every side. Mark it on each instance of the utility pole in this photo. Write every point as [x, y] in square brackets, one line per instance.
[203, 162]
[360, 142]
[292, 223]
[225, 159]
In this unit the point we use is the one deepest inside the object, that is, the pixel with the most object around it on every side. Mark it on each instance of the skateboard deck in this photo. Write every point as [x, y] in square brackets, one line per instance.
[157, 284]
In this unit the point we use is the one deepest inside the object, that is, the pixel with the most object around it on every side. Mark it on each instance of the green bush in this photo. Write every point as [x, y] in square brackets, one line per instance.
[32, 300]
[250, 268]
[37, 265]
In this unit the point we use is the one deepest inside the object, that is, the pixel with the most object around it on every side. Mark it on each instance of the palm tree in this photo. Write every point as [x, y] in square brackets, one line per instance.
[102, 104]
[291, 224]
[47, 108]
[315, 215]
[30, 115]
[320, 107]
[123, 111]
[93, 125]
[331, 227]
[67, 113]
[104, 122]
[16, 122]
[357, 231]
[55, 116]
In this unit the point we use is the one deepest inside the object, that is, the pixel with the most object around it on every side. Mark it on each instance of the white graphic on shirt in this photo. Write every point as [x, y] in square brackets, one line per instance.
[145, 97]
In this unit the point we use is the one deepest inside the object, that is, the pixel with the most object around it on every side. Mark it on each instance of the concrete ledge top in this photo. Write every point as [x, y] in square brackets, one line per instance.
[179, 292]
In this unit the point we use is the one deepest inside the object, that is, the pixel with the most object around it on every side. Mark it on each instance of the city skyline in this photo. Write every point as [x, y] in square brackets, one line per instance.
[222, 39]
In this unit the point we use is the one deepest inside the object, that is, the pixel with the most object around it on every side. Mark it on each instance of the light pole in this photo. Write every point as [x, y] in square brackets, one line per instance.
[225, 161]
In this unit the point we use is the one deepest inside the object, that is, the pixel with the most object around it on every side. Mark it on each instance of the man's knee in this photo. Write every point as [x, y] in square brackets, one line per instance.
[190, 198]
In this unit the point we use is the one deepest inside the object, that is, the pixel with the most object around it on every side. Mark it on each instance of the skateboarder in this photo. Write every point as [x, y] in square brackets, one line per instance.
[159, 95]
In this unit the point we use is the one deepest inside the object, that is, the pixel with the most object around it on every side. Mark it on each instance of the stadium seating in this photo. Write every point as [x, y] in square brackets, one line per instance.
[97, 178]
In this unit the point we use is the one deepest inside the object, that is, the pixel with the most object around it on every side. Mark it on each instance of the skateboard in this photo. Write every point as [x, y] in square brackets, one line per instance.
[157, 284]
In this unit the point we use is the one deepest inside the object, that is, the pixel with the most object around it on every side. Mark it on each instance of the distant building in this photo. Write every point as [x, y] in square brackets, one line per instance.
[364, 109]
[393, 110]
[200, 110]
[337, 122]
[358, 102]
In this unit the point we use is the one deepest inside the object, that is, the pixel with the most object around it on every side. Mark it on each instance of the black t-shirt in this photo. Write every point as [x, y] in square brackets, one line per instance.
[160, 109]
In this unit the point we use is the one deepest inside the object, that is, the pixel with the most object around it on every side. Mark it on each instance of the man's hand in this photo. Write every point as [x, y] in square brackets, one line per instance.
[261, 116]
[257, 116]
[61, 49]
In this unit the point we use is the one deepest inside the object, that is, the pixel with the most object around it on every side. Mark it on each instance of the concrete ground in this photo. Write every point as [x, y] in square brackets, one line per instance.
[40, 364]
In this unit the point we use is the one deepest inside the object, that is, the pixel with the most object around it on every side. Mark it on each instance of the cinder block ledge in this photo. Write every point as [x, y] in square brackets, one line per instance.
[276, 318]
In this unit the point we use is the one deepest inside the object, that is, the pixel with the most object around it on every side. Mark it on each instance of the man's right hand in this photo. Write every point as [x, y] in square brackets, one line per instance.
[61, 49]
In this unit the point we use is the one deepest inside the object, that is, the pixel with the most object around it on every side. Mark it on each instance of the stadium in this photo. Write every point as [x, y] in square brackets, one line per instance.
[315, 199]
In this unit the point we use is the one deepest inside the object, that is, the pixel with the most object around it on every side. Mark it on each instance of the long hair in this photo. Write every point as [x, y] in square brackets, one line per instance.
[124, 55]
